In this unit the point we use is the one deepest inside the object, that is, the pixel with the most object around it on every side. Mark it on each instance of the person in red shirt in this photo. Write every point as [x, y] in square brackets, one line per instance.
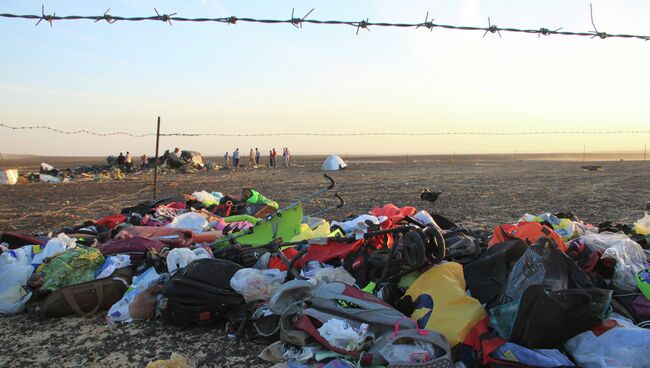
[274, 154]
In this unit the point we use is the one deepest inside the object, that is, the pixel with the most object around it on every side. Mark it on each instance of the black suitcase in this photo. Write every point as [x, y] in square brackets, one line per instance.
[200, 293]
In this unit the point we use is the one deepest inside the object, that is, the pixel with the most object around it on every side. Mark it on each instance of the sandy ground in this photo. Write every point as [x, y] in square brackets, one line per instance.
[476, 195]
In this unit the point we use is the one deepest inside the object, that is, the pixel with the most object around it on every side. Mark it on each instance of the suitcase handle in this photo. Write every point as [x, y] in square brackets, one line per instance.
[99, 292]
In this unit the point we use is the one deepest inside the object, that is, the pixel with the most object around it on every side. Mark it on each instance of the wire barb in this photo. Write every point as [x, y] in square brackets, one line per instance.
[363, 24]
[107, 17]
[492, 29]
[297, 22]
[426, 23]
[547, 32]
[167, 18]
[48, 18]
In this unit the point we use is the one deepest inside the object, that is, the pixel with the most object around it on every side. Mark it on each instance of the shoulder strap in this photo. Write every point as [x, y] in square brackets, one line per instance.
[69, 297]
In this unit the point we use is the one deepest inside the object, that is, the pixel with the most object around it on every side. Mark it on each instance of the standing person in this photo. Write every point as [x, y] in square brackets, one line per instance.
[129, 161]
[177, 152]
[144, 160]
[235, 159]
[257, 156]
[274, 154]
[285, 157]
[121, 161]
[270, 158]
[288, 157]
[226, 160]
[251, 158]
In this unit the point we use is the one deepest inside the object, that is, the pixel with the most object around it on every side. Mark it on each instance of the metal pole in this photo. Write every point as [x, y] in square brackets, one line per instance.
[155, 168]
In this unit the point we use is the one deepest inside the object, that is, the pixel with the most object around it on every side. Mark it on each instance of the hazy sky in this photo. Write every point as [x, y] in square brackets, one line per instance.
[275, 78]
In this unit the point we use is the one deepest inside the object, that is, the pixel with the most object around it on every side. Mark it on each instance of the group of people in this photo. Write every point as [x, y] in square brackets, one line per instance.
[254, 158]
[125, 163]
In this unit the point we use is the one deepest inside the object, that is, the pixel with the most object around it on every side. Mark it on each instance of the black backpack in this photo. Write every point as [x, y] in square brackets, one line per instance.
[200, 293]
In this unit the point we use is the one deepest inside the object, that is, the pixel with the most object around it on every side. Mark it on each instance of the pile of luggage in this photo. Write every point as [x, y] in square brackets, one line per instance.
[392, 287]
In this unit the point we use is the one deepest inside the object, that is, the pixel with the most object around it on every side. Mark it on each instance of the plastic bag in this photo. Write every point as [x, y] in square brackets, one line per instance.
[53, 248]
[642, 225]
[359, 225]
[420, 352]
[207, 199]
[424, 218]
[628, 254]
[119, 312]
[339, 333]
[256, 284]
[180, 257]
[191, 221]
[330, 274]
[20, 256]
[144, 304]
[13, 294]
[111, 264]
[621, 345]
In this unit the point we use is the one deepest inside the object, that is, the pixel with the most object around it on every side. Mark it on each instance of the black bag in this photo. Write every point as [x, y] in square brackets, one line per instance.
[486, 277]
[200, 293]
[546, 319]
[461, 248]
[244, 256]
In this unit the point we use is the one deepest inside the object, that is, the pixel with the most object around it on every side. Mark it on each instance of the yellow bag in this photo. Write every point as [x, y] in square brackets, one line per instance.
[441, 303]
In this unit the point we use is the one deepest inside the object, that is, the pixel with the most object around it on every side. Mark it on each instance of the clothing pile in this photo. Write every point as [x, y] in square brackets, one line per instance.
[391, 287]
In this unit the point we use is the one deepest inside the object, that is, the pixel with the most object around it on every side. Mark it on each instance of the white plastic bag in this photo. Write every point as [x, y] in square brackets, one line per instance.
[256, 284]
[119, 312]
[623, 346]
[207, 199]
[424, 218]
[628, 254]
[340, 334]
[331, 274]
[54, 247]
[191, 221]
[178, 258]
[13, 294]
[111, 264]
[20, 256]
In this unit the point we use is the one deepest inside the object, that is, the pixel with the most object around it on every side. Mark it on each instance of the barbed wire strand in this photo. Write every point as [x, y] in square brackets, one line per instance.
[327, 134]
[298, 23]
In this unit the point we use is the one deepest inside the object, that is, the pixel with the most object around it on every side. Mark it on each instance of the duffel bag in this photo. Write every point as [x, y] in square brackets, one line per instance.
[89, 297]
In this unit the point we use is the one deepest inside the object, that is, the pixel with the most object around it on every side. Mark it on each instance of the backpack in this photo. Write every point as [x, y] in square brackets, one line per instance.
[200, 293]
[341, 301]
[530, 232]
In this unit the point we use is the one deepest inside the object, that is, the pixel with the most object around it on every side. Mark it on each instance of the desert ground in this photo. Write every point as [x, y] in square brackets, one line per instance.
[477, 193]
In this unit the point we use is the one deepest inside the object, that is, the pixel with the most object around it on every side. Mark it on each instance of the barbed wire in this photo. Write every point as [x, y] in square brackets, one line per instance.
[298, 23]
[326, 134]
[74, 132]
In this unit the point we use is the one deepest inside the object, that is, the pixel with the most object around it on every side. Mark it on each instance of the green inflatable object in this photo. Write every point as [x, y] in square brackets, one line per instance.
[285, 224]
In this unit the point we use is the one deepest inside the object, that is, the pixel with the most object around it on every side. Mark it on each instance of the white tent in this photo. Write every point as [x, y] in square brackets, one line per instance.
[333, 163]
